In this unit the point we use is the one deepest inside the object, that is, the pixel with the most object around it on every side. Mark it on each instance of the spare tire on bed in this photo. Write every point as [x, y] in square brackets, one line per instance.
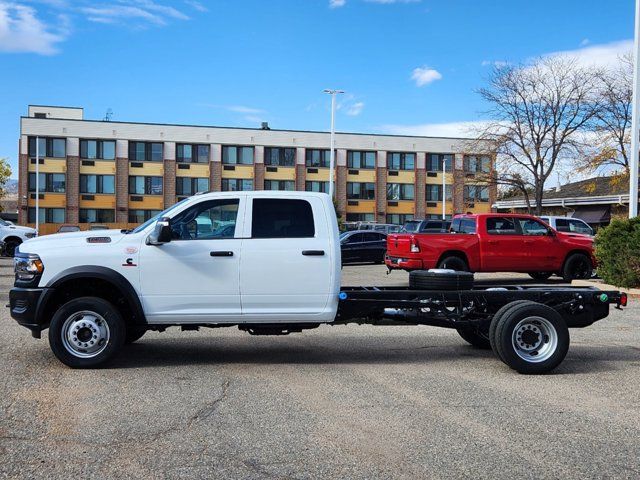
[439, 279]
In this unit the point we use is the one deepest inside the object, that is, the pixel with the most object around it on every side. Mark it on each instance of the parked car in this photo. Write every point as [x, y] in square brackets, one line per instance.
[380, 227]
[569, 225]
[427, 226]
[277, 273]
[363, 246]
[68, 228]
[495, 243]
[13, 235]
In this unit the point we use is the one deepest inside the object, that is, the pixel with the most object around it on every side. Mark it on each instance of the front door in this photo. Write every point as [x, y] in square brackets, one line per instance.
[287, 262]
[195, 277]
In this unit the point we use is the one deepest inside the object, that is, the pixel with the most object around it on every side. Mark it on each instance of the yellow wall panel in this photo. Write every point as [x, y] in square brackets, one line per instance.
[100, 168]
[283, 173]
[241, 171]
[149, 202]
[404, 206]
[194, 170]
[438, 210]
[100, 201]
[402, 177]
[364, 206]
[321, 176]
[438, 179]
[481, 207]
[149, 169]
[50, 165]
[364, 176]
[50, 200]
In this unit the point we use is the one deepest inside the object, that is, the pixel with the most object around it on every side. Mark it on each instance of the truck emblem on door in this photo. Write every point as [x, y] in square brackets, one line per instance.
[129, 263]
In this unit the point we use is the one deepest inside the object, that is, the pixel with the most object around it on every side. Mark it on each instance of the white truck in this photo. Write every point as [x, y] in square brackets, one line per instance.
[13, 235]
[271, 268]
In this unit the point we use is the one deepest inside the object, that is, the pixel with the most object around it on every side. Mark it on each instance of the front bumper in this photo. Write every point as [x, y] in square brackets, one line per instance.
[25, 306]
[397, 263]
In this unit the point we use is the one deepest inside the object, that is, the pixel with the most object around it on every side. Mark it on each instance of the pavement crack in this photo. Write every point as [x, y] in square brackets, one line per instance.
[211, 407]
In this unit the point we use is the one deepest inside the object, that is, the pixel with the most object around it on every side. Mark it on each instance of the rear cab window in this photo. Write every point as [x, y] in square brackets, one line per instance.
[463, 225]
[282, 218]
[501, 226]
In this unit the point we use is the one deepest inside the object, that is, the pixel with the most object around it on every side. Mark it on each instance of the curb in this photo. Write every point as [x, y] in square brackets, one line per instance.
[632, 292]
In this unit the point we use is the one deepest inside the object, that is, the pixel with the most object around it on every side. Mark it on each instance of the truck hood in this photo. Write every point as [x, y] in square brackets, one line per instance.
[71, 239]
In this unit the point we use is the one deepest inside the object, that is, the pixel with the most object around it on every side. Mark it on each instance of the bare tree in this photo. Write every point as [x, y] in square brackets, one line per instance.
[609, 143]
[536, 111]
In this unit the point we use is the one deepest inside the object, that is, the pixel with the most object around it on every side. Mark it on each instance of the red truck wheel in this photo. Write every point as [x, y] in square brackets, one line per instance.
[454, 263]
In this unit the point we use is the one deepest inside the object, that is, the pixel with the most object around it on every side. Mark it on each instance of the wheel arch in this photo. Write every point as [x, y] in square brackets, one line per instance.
[12, 236]
[92, 280]
[454, 253]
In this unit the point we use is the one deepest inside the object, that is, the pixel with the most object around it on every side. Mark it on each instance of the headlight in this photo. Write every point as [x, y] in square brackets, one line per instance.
[30, 234]
[27, 266]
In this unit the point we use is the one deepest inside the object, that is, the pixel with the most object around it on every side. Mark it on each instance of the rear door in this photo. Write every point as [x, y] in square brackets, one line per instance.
[503, 246]
[540, 246]
[374, 246]
[286, 263]
[351, 248]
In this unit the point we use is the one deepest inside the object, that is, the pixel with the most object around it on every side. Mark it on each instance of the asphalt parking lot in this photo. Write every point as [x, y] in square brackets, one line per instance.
[336, 402]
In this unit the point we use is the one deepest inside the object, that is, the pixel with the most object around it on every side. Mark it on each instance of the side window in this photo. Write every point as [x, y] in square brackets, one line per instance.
[214, 219]
[501, 226]
[371, 237]
[532, 227]
[455, 225]
[579, 227]
[278, 218]
[468, 225]
[562, 225]
[357, 238]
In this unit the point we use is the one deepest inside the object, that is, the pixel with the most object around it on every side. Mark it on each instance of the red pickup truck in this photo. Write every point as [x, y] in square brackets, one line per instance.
[494, 242]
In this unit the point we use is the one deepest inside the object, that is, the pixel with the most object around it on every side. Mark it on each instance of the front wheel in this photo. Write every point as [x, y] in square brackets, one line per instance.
[10, 247]
[531, 337]
[577, 267]
[86, 332]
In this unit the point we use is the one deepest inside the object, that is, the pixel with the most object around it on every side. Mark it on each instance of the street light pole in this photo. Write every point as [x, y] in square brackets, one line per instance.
[37, 185]
[444, 188]
[635, 146]
[333, 134]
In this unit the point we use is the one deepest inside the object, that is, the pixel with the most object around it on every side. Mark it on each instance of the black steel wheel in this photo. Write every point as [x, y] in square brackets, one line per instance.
[540, 275]
[577, 267]
[454, 263]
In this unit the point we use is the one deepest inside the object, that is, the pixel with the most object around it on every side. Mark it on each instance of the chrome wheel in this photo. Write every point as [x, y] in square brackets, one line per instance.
[85, 334]
[535, 339]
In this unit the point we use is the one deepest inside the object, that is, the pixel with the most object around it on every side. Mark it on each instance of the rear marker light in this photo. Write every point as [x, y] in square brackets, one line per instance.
[414, 246]
[623, 300]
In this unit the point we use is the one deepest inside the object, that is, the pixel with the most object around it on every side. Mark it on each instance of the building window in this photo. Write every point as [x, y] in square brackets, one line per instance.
[280, 157]
[434, 193]
[187, 186]
[98, 149]
[401, 161]
[146, 152]
[477, 164]
[361, 191]
[187, 153]
[145, 185]
[361, 159]
[317, 187]
[400, 191]
[141, 216]
[97, 184]
[317, 158]
[236, 185]
[436, 216]
[476, 193]
[48, 147]
[399, 218]
[434, 162]
[279, 185]
[48, 182]
[97, 215]
[46, 215]
[237, 155]
[361, 217]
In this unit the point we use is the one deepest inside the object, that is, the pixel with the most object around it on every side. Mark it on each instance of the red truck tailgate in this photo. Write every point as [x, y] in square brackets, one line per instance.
[399, 254]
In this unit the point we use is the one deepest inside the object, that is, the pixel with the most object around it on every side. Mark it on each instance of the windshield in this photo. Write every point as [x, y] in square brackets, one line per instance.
[164, 213]
[3, 223]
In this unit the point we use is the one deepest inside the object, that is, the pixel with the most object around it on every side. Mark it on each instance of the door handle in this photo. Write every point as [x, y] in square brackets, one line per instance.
[492, 242]
[221, 253]
[313, 253]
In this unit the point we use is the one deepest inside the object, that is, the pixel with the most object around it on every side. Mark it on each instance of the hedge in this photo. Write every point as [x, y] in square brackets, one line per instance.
[617, 249]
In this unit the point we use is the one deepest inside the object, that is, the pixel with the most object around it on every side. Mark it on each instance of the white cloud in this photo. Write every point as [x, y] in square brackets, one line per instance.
[355, 109]
[22, 32]
[244, 109]
[603, 55]
[387, 2]
[197, 5]
[465, 129]
[584, 42]
[337, 3]
[425, 75]
[494, 63]
[146, 10]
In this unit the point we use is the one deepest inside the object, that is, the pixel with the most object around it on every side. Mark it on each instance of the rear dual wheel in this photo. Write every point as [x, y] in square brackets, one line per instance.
[529, 337]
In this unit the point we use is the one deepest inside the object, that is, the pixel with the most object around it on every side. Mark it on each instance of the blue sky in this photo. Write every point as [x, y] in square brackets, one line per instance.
[408, 66]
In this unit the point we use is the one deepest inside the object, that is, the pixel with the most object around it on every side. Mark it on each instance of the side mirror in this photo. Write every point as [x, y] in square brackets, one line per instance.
[161, 233]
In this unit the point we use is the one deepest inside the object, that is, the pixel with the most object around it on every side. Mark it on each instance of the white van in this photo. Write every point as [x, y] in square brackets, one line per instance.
[569, 225]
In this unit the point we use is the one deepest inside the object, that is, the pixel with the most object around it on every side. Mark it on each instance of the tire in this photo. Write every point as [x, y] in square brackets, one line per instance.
[473, 337]
[496, 318]
[429, 280]
[454, 263]
[97, 321]
[10, 247]
[578, 266]
[134, 334]
[531, 338]
[540, 275]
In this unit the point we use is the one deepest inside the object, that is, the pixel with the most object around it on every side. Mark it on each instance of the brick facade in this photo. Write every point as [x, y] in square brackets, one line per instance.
[341, 190]
[122, 190]
[169, 183]
[73, 189]
[23, 186]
